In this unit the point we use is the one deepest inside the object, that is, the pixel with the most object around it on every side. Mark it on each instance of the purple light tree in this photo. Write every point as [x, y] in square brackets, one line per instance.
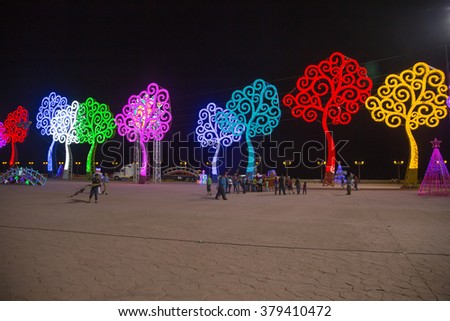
[3, 136]
[209, 133]
[146, 117]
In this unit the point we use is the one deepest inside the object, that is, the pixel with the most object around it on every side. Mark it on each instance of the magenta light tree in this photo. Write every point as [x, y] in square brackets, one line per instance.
[209, 133]
[146, 117]
[3, 136]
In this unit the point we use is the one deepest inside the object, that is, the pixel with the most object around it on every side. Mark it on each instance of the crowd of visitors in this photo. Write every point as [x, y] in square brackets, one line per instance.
[258, 183]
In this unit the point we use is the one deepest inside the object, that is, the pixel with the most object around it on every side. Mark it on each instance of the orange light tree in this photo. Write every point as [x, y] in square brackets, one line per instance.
[336, 88]
[416, 97]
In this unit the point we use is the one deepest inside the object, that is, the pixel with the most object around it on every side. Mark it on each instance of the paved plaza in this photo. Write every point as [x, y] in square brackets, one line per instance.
[170, 241]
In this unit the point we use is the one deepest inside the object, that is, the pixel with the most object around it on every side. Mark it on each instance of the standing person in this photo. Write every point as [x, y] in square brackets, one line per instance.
[297, 185]
[208, 186]
[281, 185]
[223, 181]
[96, 183]
[235, 184]
[355, 183]
[242, 180]
[304, 188]
[229, 184]
[105, 180]
[266, 182]
[275, 184]
[349, 184]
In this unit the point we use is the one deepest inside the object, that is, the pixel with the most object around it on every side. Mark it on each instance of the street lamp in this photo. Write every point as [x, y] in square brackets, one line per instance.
[78, 165]
[286, 165]
[208, 164]
[321, 164]
[359, 164]
[398, 163]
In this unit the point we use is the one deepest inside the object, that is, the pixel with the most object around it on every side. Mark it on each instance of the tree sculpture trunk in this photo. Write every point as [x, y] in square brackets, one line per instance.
[13, 158]
[331, 156]
[251, 156]
[90, 162]
[143, 169]
[411, 176]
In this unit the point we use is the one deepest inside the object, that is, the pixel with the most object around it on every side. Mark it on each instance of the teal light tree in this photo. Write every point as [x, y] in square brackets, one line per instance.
[95, 124]
[49, 107]
[257, 108]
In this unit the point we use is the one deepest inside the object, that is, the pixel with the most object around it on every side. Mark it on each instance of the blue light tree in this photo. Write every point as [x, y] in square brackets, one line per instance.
[257, 108]
[210, 135]
[49, 107]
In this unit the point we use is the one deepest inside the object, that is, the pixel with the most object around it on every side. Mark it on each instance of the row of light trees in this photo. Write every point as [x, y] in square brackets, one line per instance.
[332, 91]
[146, 117]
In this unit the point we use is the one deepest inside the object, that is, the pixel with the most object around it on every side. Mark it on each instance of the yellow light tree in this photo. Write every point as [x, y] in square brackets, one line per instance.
[416, 97]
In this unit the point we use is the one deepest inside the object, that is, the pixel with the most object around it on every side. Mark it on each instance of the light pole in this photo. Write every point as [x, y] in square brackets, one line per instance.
[359, 164]
[398, 163]
[321, 164]
[286, 166]
[208, 164]
[78, 165]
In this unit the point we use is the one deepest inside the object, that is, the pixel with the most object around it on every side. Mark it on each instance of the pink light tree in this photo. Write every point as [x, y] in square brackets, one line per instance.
[146, 117]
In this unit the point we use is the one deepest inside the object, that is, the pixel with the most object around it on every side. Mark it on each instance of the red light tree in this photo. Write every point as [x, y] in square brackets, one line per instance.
[16, 126]
[336, 88]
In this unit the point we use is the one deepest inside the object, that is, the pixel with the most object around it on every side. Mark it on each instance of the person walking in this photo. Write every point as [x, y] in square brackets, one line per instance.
[349, 184]
[355, 182]
[297, 185]
[208, 186]
[96, 183]
[304, 188]
[281, 185]
[275, 185]
[105, 180]
[223, 182]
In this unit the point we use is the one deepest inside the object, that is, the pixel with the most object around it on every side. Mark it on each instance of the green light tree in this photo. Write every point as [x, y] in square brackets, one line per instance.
[95, 124]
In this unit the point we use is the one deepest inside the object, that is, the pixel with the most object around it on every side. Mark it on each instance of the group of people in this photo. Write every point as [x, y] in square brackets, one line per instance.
[258, 183]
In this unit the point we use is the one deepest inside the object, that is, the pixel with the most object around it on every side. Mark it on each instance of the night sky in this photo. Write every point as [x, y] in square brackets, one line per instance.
[201, 51]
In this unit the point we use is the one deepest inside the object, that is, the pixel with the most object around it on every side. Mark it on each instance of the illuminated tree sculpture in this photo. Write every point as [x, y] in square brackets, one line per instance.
[255, 108]
[16, 127]
[95, 124]
[62, 128]
[336, 88]
[210, 135]
[49, 107]
[146, 116]
[416, 97]
[3, 136]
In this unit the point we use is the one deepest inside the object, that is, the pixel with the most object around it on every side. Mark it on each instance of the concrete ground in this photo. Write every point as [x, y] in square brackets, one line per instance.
[170, 241]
